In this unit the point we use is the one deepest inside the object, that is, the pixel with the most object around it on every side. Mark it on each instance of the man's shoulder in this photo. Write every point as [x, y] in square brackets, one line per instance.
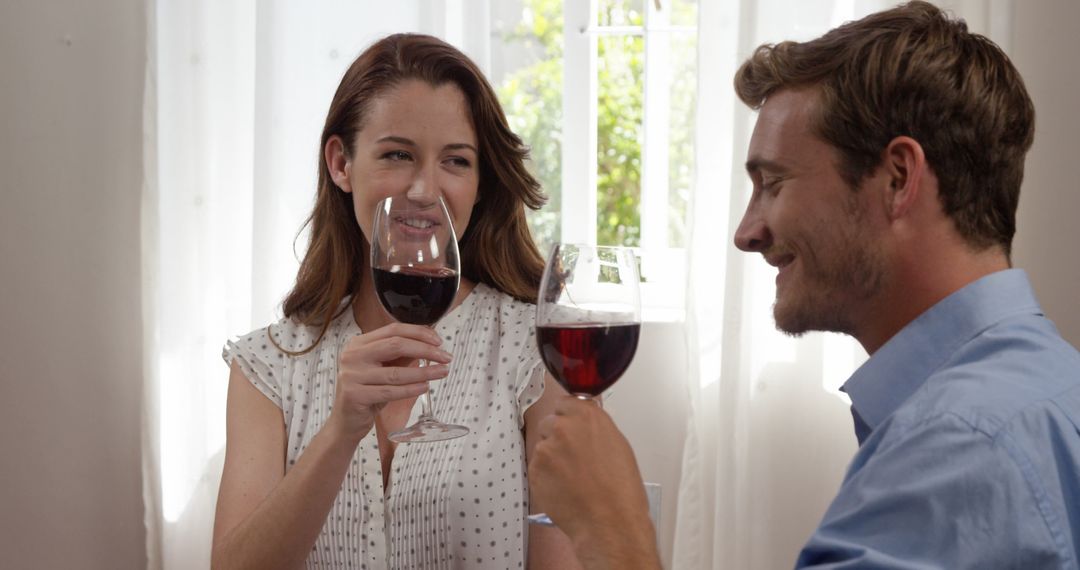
[1005, 375]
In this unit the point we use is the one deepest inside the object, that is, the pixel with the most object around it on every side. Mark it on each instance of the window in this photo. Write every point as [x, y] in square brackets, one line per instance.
[604, 93]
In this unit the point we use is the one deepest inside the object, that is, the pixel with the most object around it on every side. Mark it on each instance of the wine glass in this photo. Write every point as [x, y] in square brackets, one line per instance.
[416, 269]
[588, 319]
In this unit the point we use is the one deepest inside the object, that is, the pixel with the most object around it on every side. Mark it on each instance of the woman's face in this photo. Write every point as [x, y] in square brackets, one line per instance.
[417, 141]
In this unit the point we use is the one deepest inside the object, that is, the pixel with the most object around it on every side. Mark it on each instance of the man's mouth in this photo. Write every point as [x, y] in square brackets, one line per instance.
[779, 261]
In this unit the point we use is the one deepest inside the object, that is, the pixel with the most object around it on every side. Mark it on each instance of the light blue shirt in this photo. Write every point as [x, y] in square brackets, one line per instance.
[969, 450]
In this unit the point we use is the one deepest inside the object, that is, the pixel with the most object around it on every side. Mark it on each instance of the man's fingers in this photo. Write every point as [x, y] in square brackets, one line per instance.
[545, 427]
[572, 406]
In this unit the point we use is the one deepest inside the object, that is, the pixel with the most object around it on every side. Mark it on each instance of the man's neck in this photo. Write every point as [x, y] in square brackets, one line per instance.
[920, 282]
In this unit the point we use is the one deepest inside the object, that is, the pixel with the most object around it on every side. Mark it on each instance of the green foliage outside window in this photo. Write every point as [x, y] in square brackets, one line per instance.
[532, 98]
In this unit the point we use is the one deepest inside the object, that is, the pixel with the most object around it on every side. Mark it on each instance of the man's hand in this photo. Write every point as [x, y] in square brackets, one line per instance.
[584, 476]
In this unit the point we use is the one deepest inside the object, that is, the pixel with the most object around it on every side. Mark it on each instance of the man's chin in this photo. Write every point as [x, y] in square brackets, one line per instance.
[790, 322]
[795, 323]
[791, 330]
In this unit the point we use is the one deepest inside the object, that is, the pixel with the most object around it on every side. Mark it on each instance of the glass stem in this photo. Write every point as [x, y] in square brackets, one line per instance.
[425, 399]
[598, 400]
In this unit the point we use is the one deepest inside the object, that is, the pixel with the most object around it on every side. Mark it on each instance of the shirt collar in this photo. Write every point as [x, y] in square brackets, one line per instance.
[903, 364]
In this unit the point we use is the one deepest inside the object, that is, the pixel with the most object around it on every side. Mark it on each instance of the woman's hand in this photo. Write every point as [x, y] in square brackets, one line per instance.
[375, 369]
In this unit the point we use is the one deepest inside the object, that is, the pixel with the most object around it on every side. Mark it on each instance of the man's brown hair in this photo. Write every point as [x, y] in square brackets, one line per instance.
[914, 71]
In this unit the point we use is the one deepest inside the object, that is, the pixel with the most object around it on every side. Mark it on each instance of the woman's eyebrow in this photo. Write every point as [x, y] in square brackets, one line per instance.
[458, 146]
[396, 139]
[410, 142]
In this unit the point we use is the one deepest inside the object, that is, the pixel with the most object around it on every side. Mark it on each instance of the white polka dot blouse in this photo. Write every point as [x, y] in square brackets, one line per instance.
[453, 504]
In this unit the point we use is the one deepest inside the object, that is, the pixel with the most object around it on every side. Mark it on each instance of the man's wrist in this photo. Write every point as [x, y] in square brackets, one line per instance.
[628, 544]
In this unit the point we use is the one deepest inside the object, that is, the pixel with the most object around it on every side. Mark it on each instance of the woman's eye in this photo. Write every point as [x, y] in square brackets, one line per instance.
[458, 161]
[397, 155]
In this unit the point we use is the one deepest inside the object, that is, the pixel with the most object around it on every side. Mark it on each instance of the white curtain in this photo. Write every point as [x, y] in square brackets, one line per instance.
[769, 435]
[225, 196]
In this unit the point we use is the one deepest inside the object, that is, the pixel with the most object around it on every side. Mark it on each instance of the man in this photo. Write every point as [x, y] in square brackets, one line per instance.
[886, 164]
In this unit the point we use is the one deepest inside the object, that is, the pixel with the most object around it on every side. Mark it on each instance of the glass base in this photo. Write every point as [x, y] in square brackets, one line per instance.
[540, 519]
[428, 430]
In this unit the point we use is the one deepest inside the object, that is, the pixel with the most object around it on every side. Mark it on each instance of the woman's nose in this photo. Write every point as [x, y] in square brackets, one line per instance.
[753, 234]
[425, 185]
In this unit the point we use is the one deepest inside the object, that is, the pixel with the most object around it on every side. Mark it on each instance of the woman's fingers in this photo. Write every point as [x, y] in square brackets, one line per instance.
[388, 393]
[366, 351]
[415, 332]
[396, 375]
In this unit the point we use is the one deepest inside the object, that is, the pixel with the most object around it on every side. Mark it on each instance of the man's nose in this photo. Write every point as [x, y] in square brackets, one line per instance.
[753, 233]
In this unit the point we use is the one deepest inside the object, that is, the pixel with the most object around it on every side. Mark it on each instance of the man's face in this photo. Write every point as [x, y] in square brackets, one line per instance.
[809, 223]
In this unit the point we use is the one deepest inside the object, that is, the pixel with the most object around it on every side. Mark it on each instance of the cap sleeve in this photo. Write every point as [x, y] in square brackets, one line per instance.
[259, 360]
[529, 379]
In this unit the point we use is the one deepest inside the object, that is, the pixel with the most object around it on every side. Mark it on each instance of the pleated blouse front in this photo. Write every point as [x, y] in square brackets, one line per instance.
[453, 504]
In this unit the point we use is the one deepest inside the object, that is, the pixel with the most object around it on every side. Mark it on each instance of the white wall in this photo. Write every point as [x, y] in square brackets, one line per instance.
[71, 75]
[650, 405]
[1048, 223]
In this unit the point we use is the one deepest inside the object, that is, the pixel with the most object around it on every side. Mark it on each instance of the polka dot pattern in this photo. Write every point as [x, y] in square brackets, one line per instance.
[453, 504]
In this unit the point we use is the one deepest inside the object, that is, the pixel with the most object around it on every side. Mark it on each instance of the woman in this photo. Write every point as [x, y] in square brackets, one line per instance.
[309, 472]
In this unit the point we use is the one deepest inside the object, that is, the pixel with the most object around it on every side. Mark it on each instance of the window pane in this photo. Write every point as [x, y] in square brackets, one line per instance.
[620, 12]
[619, 139]
[527, 71]
[683, 12]
[681, 145]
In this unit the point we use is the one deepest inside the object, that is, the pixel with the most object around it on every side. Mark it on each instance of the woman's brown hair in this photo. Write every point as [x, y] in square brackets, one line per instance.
[914, 71]
[496, 249]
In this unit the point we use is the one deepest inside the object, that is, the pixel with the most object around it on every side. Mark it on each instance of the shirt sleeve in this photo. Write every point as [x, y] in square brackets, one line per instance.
[527, 376]
[944, 495]
[529, 381]
[259, 360]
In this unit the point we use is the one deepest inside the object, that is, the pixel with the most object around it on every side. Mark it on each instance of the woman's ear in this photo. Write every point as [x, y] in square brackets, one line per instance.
[904, 164]
[337, 162]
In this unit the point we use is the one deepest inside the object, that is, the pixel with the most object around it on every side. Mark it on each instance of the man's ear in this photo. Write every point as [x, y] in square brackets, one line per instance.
[338, 163]
[904, 164]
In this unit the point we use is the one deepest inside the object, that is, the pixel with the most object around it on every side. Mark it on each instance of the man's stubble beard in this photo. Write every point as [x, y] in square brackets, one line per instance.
[841, 272]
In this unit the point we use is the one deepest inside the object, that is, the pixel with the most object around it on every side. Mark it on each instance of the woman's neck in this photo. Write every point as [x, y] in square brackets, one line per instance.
[368, 311]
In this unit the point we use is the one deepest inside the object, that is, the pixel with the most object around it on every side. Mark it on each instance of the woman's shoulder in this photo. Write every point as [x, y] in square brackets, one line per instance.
[291, 335]
[510, 310]
[286, 335]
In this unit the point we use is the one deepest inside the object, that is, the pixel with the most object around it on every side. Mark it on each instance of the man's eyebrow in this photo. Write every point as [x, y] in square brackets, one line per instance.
[758, 164]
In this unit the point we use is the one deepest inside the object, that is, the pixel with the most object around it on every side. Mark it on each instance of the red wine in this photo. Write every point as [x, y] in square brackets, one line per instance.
[416, 296]
[587, 358]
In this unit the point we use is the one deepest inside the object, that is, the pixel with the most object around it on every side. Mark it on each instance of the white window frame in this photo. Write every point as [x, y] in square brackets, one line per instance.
[663, 267]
